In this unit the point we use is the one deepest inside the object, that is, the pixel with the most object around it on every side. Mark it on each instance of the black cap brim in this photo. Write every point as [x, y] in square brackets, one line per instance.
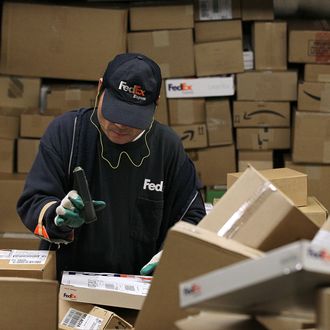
[128, 114]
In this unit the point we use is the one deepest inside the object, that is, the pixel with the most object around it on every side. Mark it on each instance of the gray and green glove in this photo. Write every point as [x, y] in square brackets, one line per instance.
[150, 267]
[70, 212]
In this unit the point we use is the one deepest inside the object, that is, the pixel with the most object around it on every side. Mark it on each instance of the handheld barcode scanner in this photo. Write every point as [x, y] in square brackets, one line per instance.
[81, 185]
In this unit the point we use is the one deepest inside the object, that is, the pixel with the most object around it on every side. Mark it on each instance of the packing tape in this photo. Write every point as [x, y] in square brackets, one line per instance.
[161, 38]
[244, 212]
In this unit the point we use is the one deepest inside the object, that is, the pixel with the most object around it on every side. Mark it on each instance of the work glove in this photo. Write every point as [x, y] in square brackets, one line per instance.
[70, 212]
[149, 268]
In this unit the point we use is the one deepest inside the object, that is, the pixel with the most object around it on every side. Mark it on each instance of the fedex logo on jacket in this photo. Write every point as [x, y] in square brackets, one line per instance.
[152, 186]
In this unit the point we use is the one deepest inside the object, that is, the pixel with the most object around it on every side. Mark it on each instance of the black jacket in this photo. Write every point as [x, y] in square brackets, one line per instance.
[144, 196]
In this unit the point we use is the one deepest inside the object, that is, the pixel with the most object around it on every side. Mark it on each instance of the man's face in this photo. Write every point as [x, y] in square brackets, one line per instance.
[116, 133]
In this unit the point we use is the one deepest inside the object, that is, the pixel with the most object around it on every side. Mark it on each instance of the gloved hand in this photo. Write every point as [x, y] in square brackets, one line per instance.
[149, 268]
[69, 212]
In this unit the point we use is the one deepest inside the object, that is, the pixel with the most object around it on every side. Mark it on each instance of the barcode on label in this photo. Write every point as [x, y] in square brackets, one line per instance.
[73, 318]
[110, 286]
[130, 287]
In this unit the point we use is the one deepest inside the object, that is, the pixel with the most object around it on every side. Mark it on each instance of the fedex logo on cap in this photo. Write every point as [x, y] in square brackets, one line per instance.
[136, 90]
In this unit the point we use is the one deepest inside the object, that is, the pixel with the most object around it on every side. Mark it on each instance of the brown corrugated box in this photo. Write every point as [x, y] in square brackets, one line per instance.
[210, 31]
[317, 72]
[314, 96]
[255, 10]
[219, 57]
[217, 10]
[21, 241]
[26, 152]
[188, 251]
[287, 322]
[263, 138]
[186, 111]
[270, 45]
[267, 86]
[309, 41]
[162, 17]
[62, 98]
[210, 171]
[19, 92]
[172, 50]
[9, 127]
[28, 303]
[34, 125]
[219, 122]
[291, 182]
[315, 211]
[192, 136]
[318, 179]
[46, 271]
[323, 308]
[67, 32]
[7, 155]
[311, 137]
[161, 113]
[259, 159]
[255, 213]
[261, 114]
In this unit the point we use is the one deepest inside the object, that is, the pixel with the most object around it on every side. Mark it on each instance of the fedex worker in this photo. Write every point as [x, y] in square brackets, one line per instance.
[140, 178]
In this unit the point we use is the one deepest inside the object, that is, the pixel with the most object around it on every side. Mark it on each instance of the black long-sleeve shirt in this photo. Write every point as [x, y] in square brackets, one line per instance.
[143, 200]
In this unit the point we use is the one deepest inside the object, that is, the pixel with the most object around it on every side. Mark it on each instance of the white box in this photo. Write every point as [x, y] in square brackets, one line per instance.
[200, 87]
[285, 278]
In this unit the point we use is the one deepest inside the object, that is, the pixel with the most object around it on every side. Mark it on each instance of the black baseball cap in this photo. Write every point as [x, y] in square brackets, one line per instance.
[132, 85]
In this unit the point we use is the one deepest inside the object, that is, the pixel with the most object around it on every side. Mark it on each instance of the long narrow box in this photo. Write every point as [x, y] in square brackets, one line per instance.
[200, 87]
[283, 279]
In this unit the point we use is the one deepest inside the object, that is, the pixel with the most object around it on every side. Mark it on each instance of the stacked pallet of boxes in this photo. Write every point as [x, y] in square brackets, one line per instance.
[309, 46]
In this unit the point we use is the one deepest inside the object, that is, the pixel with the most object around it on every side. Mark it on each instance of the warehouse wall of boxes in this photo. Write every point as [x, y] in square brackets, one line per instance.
[240, 85]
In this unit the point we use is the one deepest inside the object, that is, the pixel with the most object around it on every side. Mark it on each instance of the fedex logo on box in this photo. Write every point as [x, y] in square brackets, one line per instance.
[200, 87]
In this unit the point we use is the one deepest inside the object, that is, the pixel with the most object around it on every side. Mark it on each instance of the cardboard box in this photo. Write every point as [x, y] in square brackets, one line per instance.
[263, 138]
[19, 92]
[28, 263]
[172, 50]
[323, 305]
[259, 159]
[9, 127]
[19, 241]
[161, 17]
[87, 316]
[216, 320]
[217, 10]
[317, 72]
[267, 86]
[219, 57]
[254, 10]
[314, 96]
[128, 291]
[62, 98]
[311, 138]
[318, 177]
[27, 150]
[254, 212]
[192, 136]
[7, 152]
[200, 87]
[210, 171]
[36, 311]
[218, 122]
[270, 45]
[67, 33]
[315, 211]
[161, 113]
[13, 185]
[291, 182]
[186, 111]
[309, 42]
[288, 322]
[261, 114]
[218, 31]
[188, 251]
[34, 126]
